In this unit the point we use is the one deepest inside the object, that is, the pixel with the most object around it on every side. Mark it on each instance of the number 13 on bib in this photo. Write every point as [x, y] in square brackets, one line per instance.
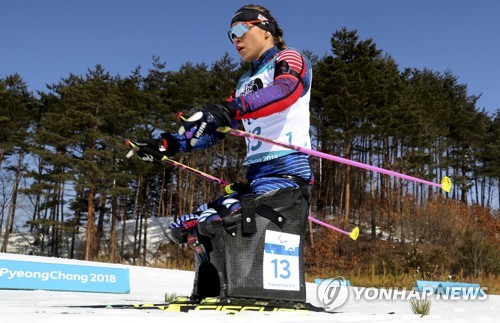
[281, 261]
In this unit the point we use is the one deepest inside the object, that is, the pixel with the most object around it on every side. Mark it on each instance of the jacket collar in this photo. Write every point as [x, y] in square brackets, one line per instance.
[267, 56]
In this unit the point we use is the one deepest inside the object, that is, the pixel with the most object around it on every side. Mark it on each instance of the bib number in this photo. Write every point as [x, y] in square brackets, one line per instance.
[281, 261]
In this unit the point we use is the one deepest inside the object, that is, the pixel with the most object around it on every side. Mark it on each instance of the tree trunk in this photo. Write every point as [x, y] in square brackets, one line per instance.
[161, 203]
[124, 223]
[112, 233]
[347, 195]
[372, 194]
[100, 224]
[136, 215]
[12, 209]
[464, 180]
[90, 234]
[2, 154]
[146, 214]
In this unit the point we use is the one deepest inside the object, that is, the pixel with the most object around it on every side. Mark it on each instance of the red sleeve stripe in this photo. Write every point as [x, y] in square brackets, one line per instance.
[293, 59]
[287, 97]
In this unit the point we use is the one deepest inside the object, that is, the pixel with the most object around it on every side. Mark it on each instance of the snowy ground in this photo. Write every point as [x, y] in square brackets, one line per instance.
[151, 284]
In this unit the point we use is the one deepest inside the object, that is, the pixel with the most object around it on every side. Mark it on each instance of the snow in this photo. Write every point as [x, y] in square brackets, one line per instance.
[149, 285]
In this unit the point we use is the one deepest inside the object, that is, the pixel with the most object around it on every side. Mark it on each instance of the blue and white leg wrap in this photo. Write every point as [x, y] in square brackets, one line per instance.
[210, 221]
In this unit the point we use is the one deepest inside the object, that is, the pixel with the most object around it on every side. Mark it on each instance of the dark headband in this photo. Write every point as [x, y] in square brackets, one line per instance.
[254, 14]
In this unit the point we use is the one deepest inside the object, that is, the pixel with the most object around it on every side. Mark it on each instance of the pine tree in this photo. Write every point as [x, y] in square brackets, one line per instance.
[16, 115]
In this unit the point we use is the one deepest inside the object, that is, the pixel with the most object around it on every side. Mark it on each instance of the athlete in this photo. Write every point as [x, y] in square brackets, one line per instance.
[271, 100]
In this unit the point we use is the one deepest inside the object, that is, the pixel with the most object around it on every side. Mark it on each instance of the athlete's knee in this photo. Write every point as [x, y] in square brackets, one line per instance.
[177, 235]
[178, 230]
[210, 221]
[232, 204]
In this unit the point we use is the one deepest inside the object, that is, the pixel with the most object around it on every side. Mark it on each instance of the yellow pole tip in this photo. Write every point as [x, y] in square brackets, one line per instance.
[224, 129]
[446, 184]
[228, 189]
[354, 233]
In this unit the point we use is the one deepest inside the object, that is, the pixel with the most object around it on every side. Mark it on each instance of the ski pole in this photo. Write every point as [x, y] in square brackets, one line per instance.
[445, 181]
[353, 234]
[159, 156]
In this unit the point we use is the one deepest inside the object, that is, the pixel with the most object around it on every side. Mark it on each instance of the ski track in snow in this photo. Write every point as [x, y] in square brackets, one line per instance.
[149, 285]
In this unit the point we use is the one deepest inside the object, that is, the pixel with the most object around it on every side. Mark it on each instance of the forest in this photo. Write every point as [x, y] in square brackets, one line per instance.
[63, 164]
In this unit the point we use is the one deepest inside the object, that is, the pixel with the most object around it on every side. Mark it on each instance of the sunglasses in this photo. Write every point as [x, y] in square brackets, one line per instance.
[239, 30]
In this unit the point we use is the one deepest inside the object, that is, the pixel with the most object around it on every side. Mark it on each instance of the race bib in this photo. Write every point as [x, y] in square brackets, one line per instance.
[281, 261]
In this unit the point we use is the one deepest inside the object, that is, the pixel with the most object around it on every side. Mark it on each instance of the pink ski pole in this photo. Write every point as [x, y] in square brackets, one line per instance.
[445, 182]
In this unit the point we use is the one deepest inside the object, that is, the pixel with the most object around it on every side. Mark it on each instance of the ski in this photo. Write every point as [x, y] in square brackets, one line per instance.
[228, 305]
[139, 306]
[235, 305]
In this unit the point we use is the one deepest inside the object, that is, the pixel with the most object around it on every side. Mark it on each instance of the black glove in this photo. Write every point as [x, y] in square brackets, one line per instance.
[150, 150]
[238, 187]
[208, 120]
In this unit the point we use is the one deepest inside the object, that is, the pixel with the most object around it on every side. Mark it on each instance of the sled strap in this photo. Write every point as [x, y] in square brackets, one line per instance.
[248, 210]
[272, 215]
[248, 225]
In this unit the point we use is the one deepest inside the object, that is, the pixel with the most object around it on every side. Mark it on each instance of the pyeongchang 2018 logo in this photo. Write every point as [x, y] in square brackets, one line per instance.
[332, 293]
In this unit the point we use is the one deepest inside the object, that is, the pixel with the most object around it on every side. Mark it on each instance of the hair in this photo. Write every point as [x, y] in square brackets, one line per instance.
[278, 38]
